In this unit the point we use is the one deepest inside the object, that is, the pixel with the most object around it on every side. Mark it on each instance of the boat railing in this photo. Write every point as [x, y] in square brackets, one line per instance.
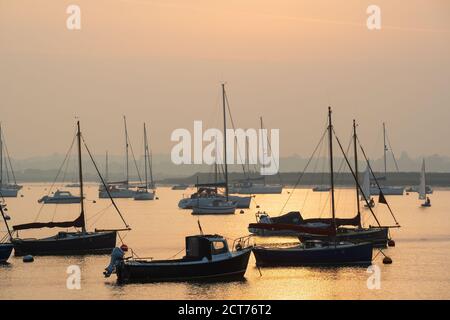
[243, 243]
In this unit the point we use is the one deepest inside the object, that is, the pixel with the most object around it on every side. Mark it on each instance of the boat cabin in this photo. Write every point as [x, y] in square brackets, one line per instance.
[205, 246]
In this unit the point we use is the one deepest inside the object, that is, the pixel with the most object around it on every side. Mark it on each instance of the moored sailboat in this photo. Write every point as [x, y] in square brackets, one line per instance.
[7, 189]
[5, 246]
[422, 188]
[78, 242]
[318, 252]
[143, 192]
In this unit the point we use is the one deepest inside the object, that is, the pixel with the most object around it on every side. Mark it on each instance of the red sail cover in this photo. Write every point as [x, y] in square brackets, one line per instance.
[77, 223]
[327, 231]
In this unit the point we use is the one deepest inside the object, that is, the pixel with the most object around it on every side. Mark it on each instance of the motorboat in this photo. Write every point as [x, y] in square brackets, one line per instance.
[216, 207]
[60, 197]
[207, 258]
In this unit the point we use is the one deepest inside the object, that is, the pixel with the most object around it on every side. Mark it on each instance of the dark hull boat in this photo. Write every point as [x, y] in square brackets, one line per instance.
[207, 259]
[315, 253]
[79, 242]
[67, 243]
[378, 236]
[5, 251]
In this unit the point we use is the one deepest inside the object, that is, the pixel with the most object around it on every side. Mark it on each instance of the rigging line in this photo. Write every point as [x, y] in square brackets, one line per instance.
[354, 177]
[134, 159]
[99, 212]
[104, 184]
[304, 170]
[171, 257]
[56, 178]
[376, 181]
[392, 153]
[9, 158]
[235, 138]
[340, 169]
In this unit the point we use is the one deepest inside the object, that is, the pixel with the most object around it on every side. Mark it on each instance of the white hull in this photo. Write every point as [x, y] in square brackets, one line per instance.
[388, 190]
[187, 203]
[258, 189]
[144, 196]
[214, 210]
[123, 193]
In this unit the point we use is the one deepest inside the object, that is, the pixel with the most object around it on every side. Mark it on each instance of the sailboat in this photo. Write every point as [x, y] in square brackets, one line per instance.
[318, 252]
[422, 188]
[7, 189]
[5, 247]
[143, 192]
[252, 185]
[207, 193]
[119, 189]
[386, 189]
[366, 189]
[78, 242]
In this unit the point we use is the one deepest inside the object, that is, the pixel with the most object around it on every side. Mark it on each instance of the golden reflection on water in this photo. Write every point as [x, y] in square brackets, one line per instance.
[420, 269]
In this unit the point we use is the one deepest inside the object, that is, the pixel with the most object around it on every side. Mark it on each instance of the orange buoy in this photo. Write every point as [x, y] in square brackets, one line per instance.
[124, 247]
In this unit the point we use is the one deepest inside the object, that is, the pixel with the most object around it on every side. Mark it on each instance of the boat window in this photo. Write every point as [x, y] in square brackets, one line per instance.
[219, 247]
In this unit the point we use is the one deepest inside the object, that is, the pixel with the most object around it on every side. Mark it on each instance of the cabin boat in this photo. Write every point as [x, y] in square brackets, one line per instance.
[180, 186]
[205, 196]
[60, 197]
[216, 207]
[144, 194]
[249, 187]
[116, 191]
[208, 258]
[79, 242]
[321, 189]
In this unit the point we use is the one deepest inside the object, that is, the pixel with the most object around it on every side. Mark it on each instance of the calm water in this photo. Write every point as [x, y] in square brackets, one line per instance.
[421, 268]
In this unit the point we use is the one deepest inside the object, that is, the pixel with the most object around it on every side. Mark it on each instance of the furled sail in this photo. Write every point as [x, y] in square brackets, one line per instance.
[77, 223]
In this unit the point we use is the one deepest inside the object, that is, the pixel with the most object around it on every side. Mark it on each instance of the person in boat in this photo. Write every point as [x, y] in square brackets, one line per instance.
[116, 257]
[372, 202]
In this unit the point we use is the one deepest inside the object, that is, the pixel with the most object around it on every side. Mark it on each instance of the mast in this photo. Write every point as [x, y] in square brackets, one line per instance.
[356, 173]
[263, 144]
[330, 138]
[80, 172]
[126, 149]
[145, 157]
[106, 168]
[385, 150]
[225, 139]
[1, 156]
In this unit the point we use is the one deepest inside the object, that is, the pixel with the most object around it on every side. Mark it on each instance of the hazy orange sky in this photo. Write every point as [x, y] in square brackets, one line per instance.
[162, 62]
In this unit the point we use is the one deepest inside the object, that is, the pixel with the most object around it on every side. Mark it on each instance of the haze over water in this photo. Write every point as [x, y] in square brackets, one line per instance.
[419, 271]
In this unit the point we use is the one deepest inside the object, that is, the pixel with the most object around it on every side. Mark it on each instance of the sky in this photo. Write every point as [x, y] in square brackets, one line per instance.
[162, 62]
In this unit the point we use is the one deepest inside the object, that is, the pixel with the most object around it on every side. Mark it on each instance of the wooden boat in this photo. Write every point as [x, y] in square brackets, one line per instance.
[208, 258]
[68, 243]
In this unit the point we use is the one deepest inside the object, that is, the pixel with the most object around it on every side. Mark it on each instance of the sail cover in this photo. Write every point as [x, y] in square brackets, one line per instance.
[77, 223]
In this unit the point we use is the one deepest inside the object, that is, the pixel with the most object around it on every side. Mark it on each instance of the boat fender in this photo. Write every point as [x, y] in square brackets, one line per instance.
[157, 198]
[116, 257]
[387, 260]
[93, 201]
[7, 217]
[28, 258]
[391, 243]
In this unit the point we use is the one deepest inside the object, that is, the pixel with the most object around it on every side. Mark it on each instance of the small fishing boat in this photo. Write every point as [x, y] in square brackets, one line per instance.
[208, 258]
[60, 197]
[143, 192]
[5, 247]
[422, 188]
[216, 207]
[69, 243]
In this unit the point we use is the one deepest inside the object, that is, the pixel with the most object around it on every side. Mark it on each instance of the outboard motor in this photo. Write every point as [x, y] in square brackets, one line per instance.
[116, 257]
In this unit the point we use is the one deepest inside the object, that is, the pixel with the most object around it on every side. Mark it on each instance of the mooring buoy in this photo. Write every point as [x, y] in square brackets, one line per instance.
[391, 243]
[241, 212]
[157, 198]
[257, 207]
[28, 258]
[387, 260]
